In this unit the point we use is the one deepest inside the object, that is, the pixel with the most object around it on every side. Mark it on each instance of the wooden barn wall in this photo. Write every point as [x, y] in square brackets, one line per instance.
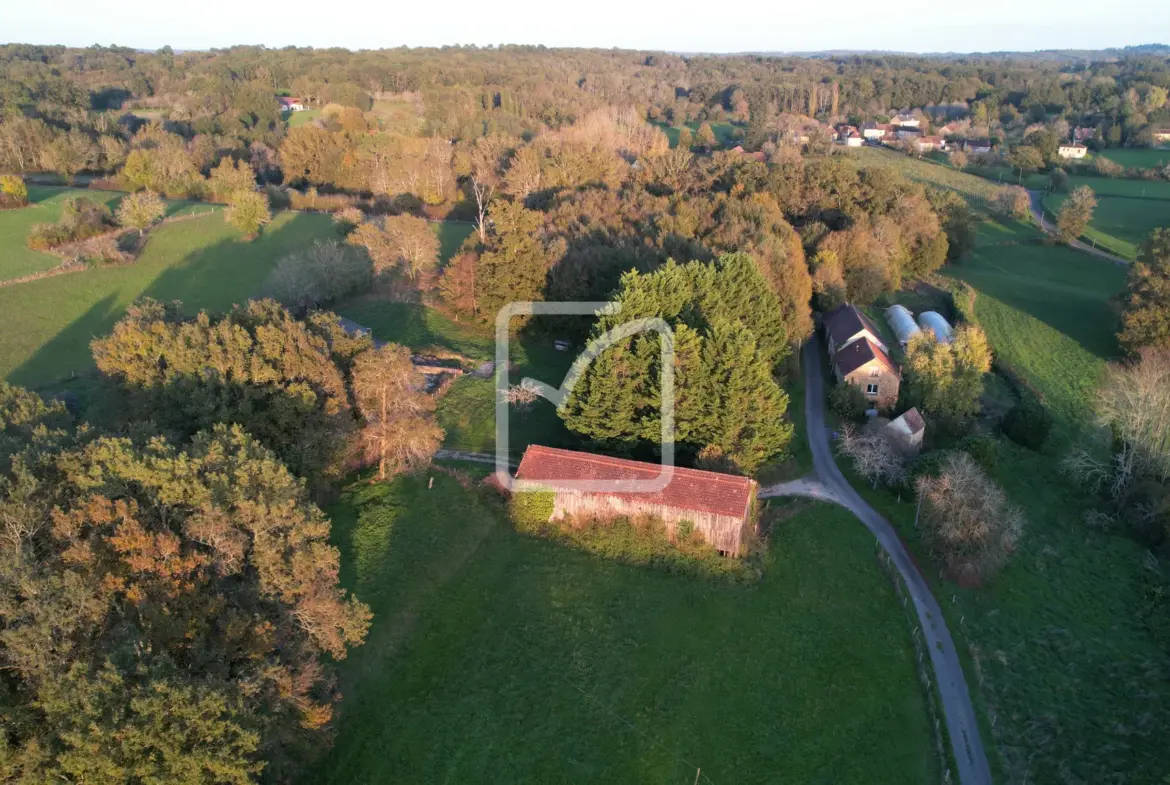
[725, 532]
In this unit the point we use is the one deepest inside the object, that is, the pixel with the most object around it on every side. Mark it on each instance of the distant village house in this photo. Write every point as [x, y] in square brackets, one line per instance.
[1161, 135]
[719, 506]
[1072, 151]
[291, 104]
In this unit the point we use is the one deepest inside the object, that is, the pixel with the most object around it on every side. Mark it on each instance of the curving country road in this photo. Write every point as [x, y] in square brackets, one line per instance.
[828, 484]
[1035, 201]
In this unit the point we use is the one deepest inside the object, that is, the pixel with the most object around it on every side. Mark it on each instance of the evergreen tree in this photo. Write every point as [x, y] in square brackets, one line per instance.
[515, 263]
[729, 336]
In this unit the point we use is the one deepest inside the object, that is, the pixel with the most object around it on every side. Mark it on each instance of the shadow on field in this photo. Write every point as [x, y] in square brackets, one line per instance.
[87, 304]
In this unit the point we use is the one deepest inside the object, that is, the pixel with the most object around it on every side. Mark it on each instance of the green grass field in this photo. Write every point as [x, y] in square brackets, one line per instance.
[724, 132]
[1138, 159]
[976, 190]
[1119, 225]
[1046, 312]
[201, 261]
[499, 658]
[295, 119]
[1102, 186]
[17, 259]
[1054, 644]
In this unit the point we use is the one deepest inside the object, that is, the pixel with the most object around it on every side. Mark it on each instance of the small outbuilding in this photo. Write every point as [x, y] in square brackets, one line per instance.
[902, 322]
[933, 320]
[908, 430]
[718, 505]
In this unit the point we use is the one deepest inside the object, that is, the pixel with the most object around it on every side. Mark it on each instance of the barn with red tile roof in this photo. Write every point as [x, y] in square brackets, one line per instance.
[718, 505]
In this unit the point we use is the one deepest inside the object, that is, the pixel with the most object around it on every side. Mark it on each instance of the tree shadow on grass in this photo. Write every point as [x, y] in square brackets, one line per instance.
[212, 278]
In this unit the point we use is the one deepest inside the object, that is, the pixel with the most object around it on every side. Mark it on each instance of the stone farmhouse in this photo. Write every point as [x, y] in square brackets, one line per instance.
[859, 357]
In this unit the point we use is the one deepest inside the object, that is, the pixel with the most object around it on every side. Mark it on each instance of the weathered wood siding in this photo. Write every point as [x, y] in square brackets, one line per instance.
[724, 532]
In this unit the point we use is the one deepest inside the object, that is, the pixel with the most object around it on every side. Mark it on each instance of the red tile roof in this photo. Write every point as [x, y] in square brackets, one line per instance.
[688, 489]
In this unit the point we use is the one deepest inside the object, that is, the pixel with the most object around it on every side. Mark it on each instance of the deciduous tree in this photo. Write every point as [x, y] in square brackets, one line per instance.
[141, 210]
[1075, 213]
[248, 211]
[400, 433]
[1145, 304]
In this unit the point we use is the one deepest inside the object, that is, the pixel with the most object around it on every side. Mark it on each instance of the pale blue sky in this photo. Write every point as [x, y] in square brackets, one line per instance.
[677, 25]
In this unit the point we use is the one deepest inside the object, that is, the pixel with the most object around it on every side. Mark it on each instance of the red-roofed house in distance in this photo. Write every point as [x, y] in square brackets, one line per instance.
[288, 104]
[718, 505]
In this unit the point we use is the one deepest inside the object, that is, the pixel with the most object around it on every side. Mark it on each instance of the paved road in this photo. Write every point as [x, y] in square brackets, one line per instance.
[1037, 206]
[827, 483]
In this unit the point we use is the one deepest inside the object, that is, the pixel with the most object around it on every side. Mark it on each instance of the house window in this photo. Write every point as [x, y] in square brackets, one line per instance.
[871, 389]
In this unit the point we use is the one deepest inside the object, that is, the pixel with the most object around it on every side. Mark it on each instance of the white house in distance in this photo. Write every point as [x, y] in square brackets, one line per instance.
[924, 144]
[905, 118]
[1072, 151]
[288, 104]
[1162, 135]
[848, 136]
[875, 131]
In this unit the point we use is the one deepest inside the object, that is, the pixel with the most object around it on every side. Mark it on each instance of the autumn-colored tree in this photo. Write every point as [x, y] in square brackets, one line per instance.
[685, 141]
[248, 211]
[523, 174]
[141, 210]
[1013, 202]
[482, 164]
[231, 177]
[13, 191]
[968, 525]
[414, 243]
[457, 285]
[946, 379]
[399, 433]
[706, 136]
[1145, 304]
[1076, 212]
[280, 377]
[192, 597]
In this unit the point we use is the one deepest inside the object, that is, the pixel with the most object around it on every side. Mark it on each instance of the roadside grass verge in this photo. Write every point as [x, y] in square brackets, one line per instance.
[501, 658]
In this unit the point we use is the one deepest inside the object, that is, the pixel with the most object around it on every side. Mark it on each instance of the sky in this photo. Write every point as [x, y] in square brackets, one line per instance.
[669, 25]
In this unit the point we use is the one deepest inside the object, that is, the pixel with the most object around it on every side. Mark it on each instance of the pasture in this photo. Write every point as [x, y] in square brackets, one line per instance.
[1134, 158]
[201, 261]
[499, 658]
[17, 259]
[1119, 225]
[1061, 661]
[724, 132]
[1102, 186]
[1046, 312]
[304, 117]
[924, 171]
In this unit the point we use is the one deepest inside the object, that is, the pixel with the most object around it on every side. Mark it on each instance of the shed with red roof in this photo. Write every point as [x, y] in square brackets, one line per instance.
[718, 506]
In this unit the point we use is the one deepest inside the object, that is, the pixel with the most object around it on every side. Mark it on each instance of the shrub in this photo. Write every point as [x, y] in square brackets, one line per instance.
[13, 191]
[531, 511]
[967, 523]
[1027, 423]
[141, 210]
[983, 448]
[963, 302]
[642, 541]
[81, 218]
[320, 274]
[848, 402]
[347, 219]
